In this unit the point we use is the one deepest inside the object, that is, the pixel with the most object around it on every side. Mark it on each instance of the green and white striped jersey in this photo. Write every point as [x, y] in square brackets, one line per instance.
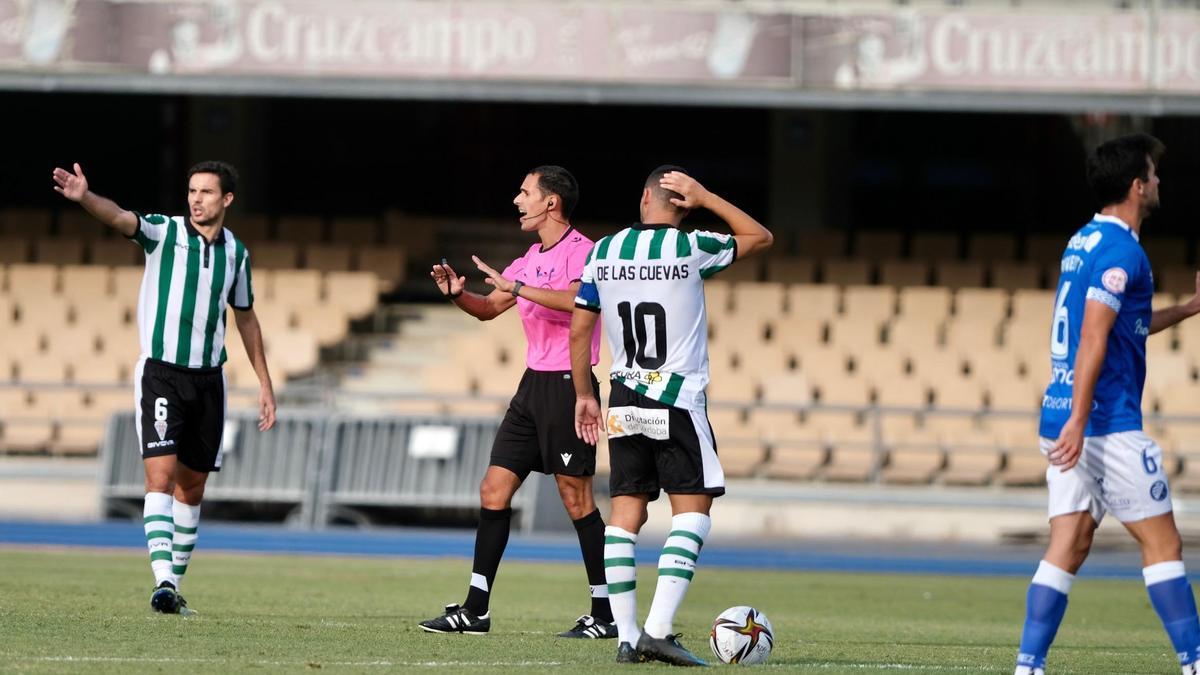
[188, 282]
[648, 280]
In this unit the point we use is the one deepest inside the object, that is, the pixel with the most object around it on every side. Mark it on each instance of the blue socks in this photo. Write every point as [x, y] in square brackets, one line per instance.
[1171, 595]
[1045, 605]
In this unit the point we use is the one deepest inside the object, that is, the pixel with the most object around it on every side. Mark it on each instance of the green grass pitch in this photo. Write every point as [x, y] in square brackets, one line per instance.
[88, 611]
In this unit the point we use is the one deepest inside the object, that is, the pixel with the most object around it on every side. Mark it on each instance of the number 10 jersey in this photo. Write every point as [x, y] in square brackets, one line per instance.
[1102, 263]
[648, 280]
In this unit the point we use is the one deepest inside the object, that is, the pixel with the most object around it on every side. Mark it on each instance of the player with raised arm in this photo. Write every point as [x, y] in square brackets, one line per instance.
[648, 279]
[1091, 426]
[195, 266]
[537, 433]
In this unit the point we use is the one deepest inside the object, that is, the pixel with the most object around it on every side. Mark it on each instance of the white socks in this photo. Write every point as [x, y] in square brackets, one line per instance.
[160, 529]
[187, 520]
[676, 566]
[620, 572]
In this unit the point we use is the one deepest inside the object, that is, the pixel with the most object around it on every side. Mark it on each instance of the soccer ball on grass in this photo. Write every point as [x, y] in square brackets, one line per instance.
[742, 635]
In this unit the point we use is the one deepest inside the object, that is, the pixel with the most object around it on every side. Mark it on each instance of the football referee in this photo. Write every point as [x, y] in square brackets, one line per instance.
[537, 432]
[194, 268]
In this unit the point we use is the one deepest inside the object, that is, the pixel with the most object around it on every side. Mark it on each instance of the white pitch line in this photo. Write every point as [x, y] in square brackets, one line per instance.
[354, 664]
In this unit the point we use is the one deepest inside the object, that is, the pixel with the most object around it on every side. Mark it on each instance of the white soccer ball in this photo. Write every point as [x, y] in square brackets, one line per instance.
[742, 635]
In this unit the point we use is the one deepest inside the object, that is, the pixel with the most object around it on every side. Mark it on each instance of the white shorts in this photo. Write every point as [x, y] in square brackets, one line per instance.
[1119, 472]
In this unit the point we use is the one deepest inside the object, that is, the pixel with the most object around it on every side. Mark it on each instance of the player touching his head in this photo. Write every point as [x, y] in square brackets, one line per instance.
[1091, 427]
[536, 434]
[195, 267]
[648, 280]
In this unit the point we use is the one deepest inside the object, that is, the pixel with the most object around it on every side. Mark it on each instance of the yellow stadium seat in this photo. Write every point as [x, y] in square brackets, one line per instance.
[355, 231]
[298, 289]
[956, 274]
[127, 282]
[880, 366]
[992, 365]
[58, 251]
[1035, 305]
[386, 262]
[853, 333]
[72, 342]
[476, 407]
[1015, 395]
[300, 229]
[957, 393]
[992, 246]
[852, 459]
[96, 369]
[295, 350]
[903, 273]
[741, 458]
[849, 391]
[786, 389]
[17, 220]
[15, 250]
[32, 282]
[46, 314]
[926, 303]
[877, 244]
[356, 292]
[846, 272]
[728, 423]
[877, 303]
[1016, 275]
[799, 331]
[1015, 432]
[936, 365]
[1046, 248]
[104, 314]
[790, 270]
[981, 304]
[965, 335]
[42, 368]
[905, 393]
[821, 243]
[730, 386]
[914, 333]
[912, 465]
[275, 255]
[79, 224]
[1178, 279]
[85, 282]
[748, 270]
[933, 246]
[814, 301]
[717, 293]
[272, 318]
[771, 358]
[795, 463]
[328, 257]
[1166, 250]
[500, 381]
[823, 364]
[114, 252]
[779, 425]
[971, 466]
[8, 312]
[762, 299]
[328, 323]
[1023, 467]
[250, 227]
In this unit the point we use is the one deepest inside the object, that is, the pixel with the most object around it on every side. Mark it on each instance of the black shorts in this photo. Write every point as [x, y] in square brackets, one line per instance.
[538, 431]
[678, 456]
[181, 412]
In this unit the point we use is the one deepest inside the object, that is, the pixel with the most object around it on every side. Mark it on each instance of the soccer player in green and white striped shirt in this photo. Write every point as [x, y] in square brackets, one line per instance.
[648, 280]
[194, 268]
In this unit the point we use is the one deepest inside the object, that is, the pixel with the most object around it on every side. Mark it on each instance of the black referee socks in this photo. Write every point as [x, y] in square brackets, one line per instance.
[491, 538]
[590, 529]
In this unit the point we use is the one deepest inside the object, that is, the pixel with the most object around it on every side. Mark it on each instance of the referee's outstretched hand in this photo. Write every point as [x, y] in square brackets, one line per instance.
[587, 420]
[447, 281]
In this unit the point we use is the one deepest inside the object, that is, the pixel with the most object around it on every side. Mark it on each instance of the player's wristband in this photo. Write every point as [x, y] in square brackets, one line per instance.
[516, 291]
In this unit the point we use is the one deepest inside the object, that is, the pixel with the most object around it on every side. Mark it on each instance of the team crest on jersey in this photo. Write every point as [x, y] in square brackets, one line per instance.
[1115, 279]
[160, 427]
[632, 420]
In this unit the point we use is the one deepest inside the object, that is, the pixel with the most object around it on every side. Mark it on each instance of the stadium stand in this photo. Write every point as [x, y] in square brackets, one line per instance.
[908, 359]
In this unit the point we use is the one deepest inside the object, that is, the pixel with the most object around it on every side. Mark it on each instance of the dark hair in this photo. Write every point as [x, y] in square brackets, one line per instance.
[660, 194]
[1113, 166]
[555, 180]
[224, 171]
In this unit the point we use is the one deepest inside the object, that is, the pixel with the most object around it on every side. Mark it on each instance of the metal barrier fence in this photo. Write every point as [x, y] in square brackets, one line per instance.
[326, 467]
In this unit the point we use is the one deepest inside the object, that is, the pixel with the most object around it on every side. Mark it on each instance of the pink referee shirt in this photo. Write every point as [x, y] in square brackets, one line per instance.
[548, 330]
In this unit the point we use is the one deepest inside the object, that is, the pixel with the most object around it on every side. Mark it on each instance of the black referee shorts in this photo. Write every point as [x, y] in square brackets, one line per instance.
[181, 412]
[538, 431]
